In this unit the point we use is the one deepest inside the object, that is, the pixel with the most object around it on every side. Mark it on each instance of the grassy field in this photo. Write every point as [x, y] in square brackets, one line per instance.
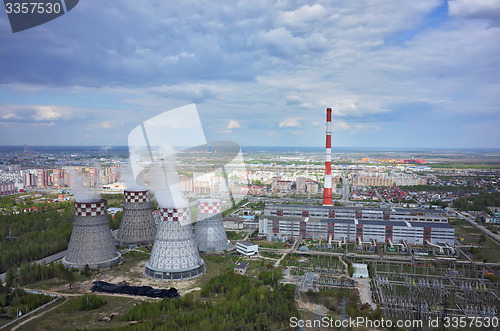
[60, 319]
[270, 244]
[271, 255]
[488, 249]
[233, 235]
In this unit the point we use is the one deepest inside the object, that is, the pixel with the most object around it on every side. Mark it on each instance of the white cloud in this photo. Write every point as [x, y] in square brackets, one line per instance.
[9, 116]
[106, 125]
[341, 126]
[176, 58]
[46, 113]
[355, 127]
[489, 9]
[302, 15]
[232, 125]
[281, 43]
[45, 124]
[290, 123]
[271, 62]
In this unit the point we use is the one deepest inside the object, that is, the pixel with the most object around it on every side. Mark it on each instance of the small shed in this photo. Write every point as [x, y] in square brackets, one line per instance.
[360, 270]
[241, 267]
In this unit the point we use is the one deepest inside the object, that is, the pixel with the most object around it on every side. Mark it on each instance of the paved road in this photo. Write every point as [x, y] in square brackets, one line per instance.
[47, 259]
[381, 198]
[55, 297]
[365, 291]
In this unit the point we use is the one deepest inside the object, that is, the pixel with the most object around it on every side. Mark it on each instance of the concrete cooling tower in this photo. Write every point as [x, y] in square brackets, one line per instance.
[174, 255]
[91, 240]
[209, 233]
[137, 226]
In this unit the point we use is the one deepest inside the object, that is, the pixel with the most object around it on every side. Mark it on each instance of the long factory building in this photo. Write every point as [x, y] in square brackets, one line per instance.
[415, 226]
[414, 233]
[359, 213]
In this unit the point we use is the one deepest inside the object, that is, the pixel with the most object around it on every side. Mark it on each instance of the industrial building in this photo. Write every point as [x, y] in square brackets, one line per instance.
[414, 233]
[209, 233]
[137, 226]
[247, 248]
[413, 226]
[91, 241]
[359, 213]
[174, 255]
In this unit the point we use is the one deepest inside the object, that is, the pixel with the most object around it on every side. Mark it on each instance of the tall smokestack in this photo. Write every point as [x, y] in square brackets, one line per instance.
[327, 193]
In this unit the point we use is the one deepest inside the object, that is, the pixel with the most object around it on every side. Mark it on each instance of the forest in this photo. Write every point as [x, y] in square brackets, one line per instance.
[228, 302]
[478, 202]
[29, 237]
[441, 188]
[14, 300]
[32, 272]
[85, 302]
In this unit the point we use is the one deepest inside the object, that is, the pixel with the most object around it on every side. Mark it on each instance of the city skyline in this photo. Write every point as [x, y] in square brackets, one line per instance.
[419, 75]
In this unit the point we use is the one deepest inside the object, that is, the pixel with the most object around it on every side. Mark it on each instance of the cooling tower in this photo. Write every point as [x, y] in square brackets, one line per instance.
[209, 233]
[174, 255]
[137, 226]
[91, 240]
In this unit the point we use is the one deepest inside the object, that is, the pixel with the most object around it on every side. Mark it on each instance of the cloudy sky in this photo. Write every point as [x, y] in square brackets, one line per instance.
[397, 73]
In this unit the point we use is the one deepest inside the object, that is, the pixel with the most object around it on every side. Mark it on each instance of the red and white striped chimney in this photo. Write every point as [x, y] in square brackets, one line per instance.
[327, 193]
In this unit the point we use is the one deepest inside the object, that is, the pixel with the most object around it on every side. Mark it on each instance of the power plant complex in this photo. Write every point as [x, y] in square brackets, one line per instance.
[209, 233]
[414, 226]
[91, 242]
[176, 249]
[137, 225]
[174, 255]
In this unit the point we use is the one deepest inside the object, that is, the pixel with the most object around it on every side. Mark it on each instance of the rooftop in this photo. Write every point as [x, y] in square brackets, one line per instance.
[360, 270]
[395, 210]
[246, 243]
[241, 265]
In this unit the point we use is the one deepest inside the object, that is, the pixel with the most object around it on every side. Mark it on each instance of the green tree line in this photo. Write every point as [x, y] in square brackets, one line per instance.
[28, 237]
[441, 188]
[478, 202]
[32, 272]
[85, 302]
[229, 302]
[14, 300]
